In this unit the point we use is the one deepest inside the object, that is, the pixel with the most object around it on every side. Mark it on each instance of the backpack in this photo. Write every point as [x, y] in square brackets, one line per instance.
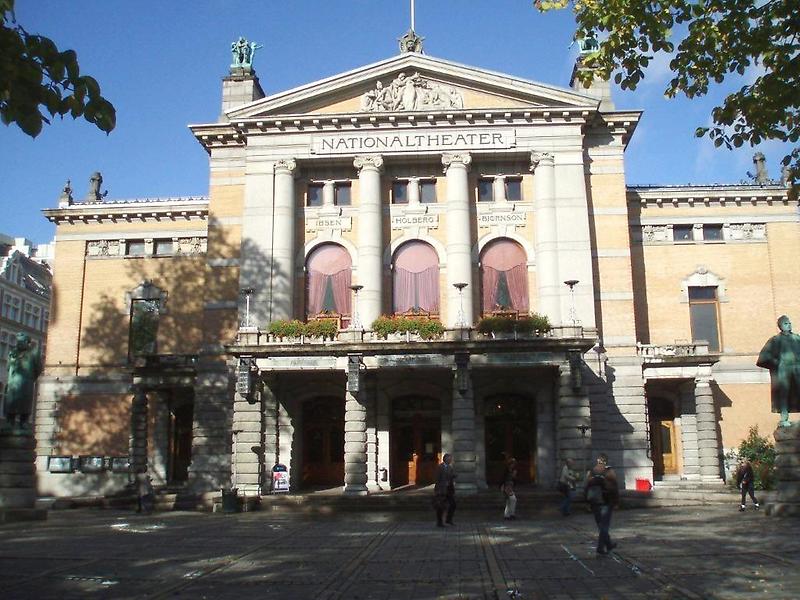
[596, 488]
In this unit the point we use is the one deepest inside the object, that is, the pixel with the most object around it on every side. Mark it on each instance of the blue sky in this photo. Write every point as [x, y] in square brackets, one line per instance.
[161, 64]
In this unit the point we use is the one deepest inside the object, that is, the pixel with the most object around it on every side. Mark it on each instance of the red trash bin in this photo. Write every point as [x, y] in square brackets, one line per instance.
[643, 485]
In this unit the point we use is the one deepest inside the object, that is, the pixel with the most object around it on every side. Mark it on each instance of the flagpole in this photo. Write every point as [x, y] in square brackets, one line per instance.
[412, 15]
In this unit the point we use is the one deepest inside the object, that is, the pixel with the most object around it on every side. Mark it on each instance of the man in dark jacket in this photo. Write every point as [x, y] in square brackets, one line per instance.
[746, 481]
[444, 492]
[602, 493]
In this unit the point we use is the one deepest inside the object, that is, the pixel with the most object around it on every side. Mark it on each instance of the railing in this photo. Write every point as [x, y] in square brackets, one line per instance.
[252, 336]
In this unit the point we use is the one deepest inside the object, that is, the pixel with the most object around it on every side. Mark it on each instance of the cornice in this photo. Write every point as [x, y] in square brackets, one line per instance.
[690, 195]
[166, 209]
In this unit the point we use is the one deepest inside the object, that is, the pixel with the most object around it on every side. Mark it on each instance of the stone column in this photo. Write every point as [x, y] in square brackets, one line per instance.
[459, 237]
[370, 238]
[413, 191]
[269, 404]
[547, 277]
[137, 442]
[211, 429]
[247, 433]
[370, 402]
[355, 430]
[707, 439]
[283, 251]
[573, 414]
[463, 426]
[499, 185]
[691, 459]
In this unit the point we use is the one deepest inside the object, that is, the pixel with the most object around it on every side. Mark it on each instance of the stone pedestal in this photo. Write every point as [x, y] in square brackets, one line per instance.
[787, 463]
[18, 478]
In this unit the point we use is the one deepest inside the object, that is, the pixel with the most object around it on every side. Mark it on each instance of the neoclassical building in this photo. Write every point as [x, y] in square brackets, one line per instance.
[207, 339]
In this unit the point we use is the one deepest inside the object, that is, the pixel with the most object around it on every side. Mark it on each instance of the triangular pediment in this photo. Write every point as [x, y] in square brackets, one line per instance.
[413, 82]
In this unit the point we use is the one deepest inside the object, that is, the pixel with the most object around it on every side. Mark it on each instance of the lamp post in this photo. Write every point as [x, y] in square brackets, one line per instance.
[247, 292]
[461, 320]
[355, 322]
[573, 316]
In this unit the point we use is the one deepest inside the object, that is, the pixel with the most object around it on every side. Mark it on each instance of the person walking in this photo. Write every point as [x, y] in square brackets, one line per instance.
[746, 481]
[508, 486]
[144, 493]
[566, 485]
[444, 492]
[602, 494]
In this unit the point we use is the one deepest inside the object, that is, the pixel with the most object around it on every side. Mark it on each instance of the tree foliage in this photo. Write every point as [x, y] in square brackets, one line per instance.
[36, 77]
[707, 41]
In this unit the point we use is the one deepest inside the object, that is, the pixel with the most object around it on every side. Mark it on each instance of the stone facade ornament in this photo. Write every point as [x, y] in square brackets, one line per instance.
[192, 245]
[411, 42]
[66, 195]
[411, 93]
[95, 183]
[243, 54]
[748, 231]
[374, 162]
[537, 157]
[656, 233]
[461, 158]
[286, 164]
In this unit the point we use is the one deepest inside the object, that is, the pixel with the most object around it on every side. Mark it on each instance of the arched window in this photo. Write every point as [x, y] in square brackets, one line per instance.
[504, 276]
[416, 278]
[328, 278]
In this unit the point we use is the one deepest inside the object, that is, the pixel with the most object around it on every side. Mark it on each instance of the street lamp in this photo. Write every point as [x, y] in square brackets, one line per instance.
[573, 316]
[247, 292]
[461, 321]
[355, 322]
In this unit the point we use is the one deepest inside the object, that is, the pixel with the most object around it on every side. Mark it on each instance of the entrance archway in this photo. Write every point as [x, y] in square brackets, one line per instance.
[323, 442]
[416, 440]
[510, 431]
[663, 437]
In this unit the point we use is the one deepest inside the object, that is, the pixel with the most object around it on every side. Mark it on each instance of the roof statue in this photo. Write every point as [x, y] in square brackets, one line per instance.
[411, 93]
[587, 45]
[243, 53]
[95, 183]
[411, 42]
[65, 199]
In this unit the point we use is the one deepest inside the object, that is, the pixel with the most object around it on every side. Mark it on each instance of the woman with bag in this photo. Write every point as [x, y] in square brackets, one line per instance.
[509, 481]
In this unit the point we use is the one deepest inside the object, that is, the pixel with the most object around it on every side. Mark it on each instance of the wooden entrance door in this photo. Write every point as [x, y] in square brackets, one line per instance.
[416, 441]
[510, 431]
[323, 442]
[663, 437]
[179, 455]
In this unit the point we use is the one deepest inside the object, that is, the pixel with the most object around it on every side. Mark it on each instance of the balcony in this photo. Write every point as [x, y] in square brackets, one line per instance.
[680, 353]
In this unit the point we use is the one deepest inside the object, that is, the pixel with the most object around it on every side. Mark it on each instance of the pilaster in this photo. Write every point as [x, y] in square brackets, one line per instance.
[707, 438]
[547, 275]
[138, 438]
[573, 415]
[247, 432]
[211, 437]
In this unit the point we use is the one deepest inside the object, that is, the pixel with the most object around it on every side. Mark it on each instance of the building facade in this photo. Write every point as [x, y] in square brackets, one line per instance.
[208, 339]
[25, 292]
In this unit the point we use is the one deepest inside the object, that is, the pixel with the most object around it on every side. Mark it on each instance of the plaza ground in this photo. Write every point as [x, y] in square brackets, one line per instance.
[688, 552]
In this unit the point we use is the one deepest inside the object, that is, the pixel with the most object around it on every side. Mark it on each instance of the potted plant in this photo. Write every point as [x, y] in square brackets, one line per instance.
[503, 326]
[426, 327]
[322, 328]
[283, 328]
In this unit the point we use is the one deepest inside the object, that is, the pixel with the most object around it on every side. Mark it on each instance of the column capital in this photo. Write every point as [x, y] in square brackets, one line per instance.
[541, 157]
[456, 158]
[286, 164]
[702, 381]
[371, 161]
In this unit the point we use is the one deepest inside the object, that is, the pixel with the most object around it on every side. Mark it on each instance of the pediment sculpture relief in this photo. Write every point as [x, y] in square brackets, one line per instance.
[411, 93]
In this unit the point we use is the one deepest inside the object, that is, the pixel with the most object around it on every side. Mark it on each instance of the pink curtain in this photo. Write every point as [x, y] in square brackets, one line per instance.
[504, 256]
[416, 278]
[328, 264]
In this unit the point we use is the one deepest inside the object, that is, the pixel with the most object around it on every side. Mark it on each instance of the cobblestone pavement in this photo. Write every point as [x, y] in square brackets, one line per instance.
[699, 552]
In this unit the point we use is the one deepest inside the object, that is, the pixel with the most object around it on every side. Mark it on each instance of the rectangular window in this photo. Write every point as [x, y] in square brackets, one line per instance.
[134, 248]
[400, 192]
[704, 315]
[427, 192]
[513, 189]
[712, 233]
[143, 327]
[16, 313]
[314, 194]
[27, 318]
[164, 247]
[683, 233]
[341, 194]
[485, 190]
